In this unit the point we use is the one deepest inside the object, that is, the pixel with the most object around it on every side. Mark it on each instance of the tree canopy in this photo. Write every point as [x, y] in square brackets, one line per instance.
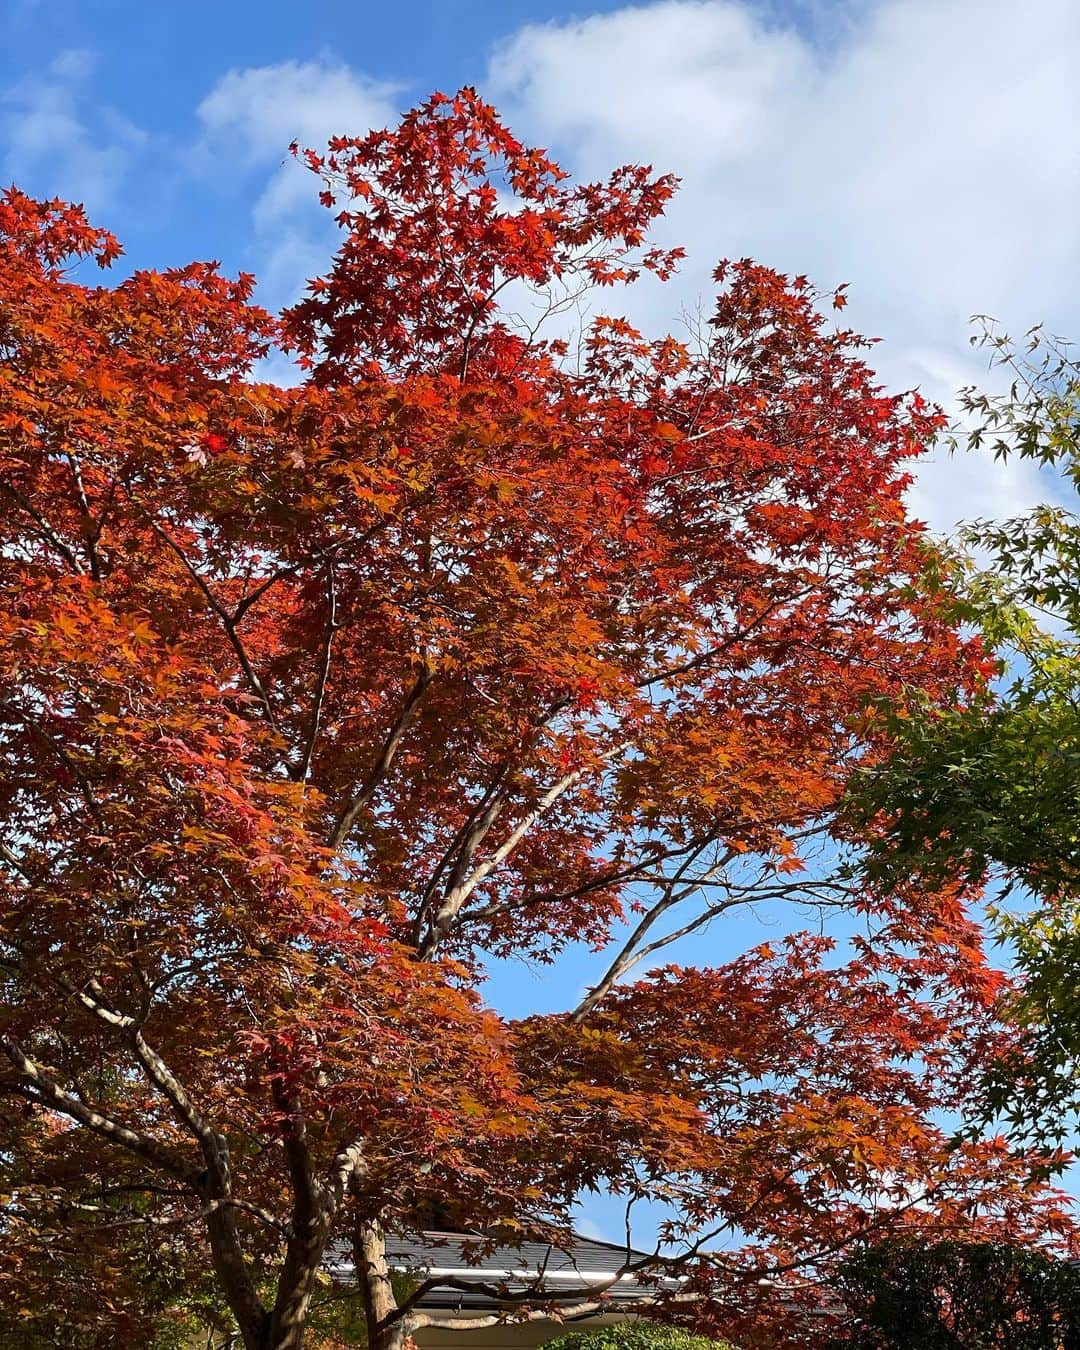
[910, 1295]
[988, 788]
[474, 643]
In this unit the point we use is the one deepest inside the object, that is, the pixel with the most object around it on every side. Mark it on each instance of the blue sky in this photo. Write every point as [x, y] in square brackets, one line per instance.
[924, 151]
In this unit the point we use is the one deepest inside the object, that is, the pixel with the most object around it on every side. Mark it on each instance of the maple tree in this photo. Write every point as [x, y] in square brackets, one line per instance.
[474, 644]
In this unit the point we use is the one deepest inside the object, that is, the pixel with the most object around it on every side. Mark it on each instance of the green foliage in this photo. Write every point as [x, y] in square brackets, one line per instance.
[959, 1296]
[991, 782]
[634, 1336]
[991, 787]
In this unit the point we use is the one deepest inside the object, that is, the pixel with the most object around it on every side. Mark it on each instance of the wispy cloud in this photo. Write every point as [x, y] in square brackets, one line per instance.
[251, 116]
[58, 139]
[247, 122]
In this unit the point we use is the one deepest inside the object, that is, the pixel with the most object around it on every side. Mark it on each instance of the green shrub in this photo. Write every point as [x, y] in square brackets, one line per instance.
[635, 1336]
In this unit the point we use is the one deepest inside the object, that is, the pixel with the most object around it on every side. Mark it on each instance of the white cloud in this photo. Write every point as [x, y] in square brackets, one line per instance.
[58, 141]
[927, 154]
[253, 115]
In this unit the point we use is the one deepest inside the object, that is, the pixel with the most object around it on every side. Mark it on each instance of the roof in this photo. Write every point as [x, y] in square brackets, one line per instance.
[547, 1273]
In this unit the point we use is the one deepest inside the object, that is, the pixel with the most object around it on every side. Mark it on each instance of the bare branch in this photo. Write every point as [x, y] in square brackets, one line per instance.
[91, 997]
[600, 881]
[474, 828]
[678, 888]
[673, 894]
[478, 821]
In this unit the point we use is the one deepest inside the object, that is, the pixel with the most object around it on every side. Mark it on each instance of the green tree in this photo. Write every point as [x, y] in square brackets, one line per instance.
[990, 788]
[910, 1295]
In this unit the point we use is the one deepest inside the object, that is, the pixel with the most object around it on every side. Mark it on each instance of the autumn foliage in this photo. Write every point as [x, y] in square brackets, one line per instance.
[474, 643]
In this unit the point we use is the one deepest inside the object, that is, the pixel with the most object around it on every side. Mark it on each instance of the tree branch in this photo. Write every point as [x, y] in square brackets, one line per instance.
[47, 1092]
[45, 530]
[264, 1216]
[228, 622]
[300, 773]
[92, 529]
[600, 881]
[459, 893]
[306, 1197]
[673, 895]
[351, 810]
